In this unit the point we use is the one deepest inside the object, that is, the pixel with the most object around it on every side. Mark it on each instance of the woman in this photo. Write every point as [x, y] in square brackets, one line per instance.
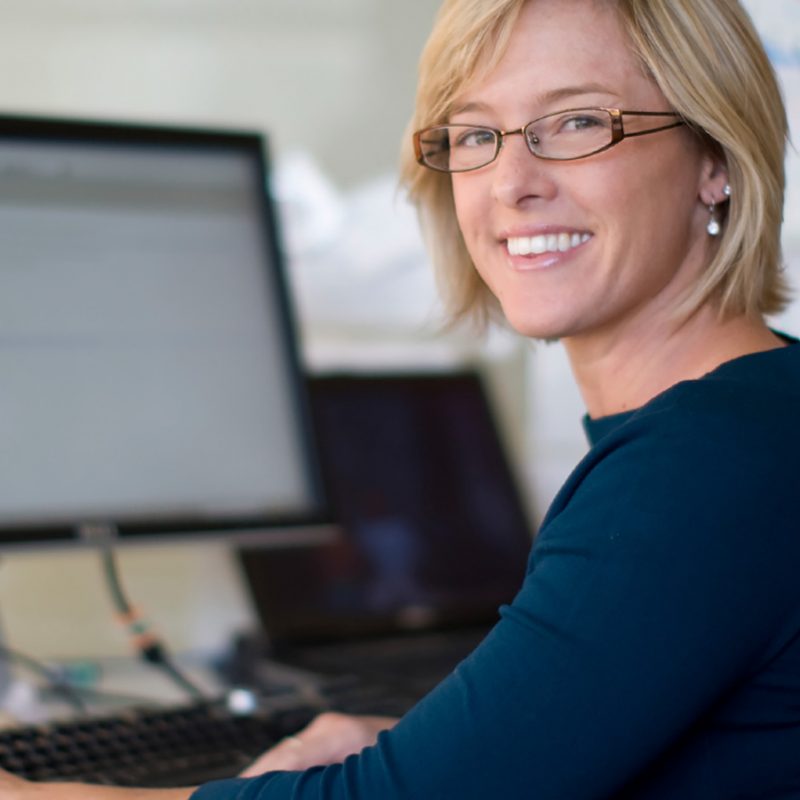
[654, 648]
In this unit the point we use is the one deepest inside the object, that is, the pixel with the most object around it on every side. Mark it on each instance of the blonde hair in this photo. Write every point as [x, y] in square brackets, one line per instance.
[709, 63]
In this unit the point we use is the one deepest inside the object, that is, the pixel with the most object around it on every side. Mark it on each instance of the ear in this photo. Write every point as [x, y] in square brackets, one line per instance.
[713, 180]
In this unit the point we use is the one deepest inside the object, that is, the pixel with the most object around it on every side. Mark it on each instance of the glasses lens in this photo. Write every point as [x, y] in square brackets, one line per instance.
[456, 148]
[570, 134]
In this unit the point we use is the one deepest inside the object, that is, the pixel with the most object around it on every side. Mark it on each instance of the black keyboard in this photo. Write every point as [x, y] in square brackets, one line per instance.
[178, 746]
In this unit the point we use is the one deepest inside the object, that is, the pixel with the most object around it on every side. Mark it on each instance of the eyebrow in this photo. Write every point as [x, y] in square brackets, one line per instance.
[547, 97]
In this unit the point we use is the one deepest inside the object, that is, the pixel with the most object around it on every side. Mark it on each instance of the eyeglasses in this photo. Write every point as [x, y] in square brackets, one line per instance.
[561, 136]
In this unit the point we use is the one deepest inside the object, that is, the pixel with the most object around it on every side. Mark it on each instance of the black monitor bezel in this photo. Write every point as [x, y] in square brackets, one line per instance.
[257, 530]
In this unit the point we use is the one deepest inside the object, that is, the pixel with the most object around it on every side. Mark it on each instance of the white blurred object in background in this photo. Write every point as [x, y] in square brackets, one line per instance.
[355, 258]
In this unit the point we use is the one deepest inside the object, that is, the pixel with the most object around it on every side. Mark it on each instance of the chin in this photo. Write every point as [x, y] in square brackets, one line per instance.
[532, 326]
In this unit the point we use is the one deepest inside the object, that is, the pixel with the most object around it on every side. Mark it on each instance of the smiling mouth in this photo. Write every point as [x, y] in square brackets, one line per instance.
[545, 243]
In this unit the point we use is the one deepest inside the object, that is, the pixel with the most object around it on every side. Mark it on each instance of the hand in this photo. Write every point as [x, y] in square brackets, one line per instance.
[328, 739]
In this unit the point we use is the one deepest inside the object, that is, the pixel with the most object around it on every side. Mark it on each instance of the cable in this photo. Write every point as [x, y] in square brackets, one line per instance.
[74, 692]
[149, 647]
[54, 679]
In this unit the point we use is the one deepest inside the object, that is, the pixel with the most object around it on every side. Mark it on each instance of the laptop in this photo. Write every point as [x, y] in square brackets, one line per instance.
[434, 534]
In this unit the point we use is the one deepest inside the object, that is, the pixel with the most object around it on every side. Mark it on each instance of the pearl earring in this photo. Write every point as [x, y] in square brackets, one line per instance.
[726, 190]
[713, 226]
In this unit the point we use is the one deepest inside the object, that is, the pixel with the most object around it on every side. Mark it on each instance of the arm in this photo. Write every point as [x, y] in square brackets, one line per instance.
[13, 788]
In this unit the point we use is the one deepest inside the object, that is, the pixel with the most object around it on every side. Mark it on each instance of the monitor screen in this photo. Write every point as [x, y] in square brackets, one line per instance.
[147, 350]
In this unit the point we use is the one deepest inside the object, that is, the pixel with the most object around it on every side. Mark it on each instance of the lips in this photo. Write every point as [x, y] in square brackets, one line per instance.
[546, 243]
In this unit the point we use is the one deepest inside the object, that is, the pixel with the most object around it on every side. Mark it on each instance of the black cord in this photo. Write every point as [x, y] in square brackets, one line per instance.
[55, 680]
[150, 648]
[113, 582]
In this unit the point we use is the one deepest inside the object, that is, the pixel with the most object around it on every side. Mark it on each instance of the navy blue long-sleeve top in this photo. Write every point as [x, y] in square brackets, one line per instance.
[653, 650]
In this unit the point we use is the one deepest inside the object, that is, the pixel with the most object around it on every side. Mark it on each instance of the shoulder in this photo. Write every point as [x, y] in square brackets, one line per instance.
[746, 406]
[715, 452]
[759, 392]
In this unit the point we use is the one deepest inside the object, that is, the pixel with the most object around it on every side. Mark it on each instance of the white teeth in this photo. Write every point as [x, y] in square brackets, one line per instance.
[545, 243]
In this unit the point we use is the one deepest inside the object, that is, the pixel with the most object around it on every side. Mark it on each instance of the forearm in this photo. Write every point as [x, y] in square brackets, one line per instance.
[80, 791]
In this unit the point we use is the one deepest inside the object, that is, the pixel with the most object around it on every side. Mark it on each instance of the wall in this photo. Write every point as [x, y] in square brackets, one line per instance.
[334, 77]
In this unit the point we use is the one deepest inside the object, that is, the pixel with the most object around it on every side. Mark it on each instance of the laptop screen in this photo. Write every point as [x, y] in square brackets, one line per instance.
[434, 532]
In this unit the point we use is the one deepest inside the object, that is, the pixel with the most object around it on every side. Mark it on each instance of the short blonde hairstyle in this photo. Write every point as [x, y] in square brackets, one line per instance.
[709, 63]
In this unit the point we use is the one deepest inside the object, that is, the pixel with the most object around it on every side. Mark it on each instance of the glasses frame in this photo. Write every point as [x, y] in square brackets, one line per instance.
[618, 134]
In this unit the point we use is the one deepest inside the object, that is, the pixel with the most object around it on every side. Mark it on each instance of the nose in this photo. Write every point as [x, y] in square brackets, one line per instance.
[518, 176]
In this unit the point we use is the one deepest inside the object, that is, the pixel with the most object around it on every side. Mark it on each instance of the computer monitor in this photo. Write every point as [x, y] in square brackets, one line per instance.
[149, 369]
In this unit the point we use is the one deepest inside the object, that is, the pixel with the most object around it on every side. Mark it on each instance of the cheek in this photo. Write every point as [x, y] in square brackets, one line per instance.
[651, 214]
[470, 198]
[666, 219]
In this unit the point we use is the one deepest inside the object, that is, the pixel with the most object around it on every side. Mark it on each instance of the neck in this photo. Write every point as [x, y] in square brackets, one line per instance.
[623, 370]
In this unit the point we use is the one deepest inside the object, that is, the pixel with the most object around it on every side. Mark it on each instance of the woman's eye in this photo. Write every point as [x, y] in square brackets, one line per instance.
[581, 123]
[474, 137]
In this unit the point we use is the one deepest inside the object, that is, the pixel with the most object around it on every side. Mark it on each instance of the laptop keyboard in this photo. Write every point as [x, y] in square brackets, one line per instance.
[181, 746]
